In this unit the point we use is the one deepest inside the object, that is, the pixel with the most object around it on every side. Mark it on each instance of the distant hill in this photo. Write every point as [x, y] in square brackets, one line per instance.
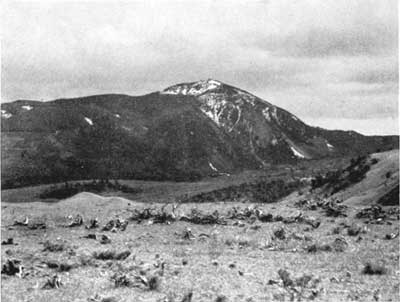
[184, 132]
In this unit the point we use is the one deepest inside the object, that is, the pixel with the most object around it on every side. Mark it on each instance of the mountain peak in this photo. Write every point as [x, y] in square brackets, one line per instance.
[193, 88]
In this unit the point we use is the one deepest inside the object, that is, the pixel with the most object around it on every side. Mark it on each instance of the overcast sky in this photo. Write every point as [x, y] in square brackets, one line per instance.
[332, 63]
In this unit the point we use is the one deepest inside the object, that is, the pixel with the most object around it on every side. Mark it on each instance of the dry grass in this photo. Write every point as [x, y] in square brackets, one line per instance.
[232, 262]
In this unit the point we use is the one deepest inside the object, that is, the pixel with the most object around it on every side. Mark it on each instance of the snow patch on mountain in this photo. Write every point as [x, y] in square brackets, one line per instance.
[194, 89]
[89, 121]
[212, 115]
[239, 111]
[213, 106]
[203, 86]
[265, 112]
[297, 153]
[27, 107]
[5, 114]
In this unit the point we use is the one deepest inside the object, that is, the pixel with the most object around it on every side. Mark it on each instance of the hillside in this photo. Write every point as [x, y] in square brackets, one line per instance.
[379, 181]
[184, 132]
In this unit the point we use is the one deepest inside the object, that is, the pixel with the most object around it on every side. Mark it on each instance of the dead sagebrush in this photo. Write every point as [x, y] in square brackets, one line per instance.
[86, 260]
[221, 298]
[391, 236]
[9, 241]
[303, 287]
[77, 221]
[90, 236]
[98, 298]
[187, 234]
[151, 282]
[109, 299]
[374, 269]
[339, 245]
[60, 266]
[353, 230]
[53, 282]
[187, 297]
[337, 230]
[279, 233]
[313, 248]
[111, 255]
[12, 267]
[53, 247]
[93, 223]
[105, 239]
[121, 280]
[285, 277]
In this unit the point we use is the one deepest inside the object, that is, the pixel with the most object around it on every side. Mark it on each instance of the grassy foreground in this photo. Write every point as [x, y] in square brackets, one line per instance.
[238, 261]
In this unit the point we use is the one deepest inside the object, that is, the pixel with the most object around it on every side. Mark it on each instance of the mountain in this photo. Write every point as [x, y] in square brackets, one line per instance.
[183, 132]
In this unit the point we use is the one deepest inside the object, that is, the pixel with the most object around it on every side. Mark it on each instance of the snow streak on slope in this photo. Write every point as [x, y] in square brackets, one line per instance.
[297, 153]
[89, 121]
[5, 114]
[212, 167]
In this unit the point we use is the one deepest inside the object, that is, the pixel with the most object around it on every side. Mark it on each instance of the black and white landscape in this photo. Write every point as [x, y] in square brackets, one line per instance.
[200, 151]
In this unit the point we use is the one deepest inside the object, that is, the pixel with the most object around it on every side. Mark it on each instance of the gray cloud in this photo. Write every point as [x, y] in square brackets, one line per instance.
[373, 39]
[328, 58]
[376, 76]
